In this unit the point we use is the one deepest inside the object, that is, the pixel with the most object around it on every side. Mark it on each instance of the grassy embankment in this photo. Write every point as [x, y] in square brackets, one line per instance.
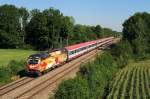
[12, 63]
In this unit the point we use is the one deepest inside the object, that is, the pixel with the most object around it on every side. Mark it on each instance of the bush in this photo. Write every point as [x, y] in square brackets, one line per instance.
[91, 80]
[105, 59]
[98, 74]
[73, 89]
[5, 74]
[13, 69]
[122, 53]
[15, 66]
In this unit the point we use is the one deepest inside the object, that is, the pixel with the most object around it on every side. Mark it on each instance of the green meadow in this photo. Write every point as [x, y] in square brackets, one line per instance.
[6, 55]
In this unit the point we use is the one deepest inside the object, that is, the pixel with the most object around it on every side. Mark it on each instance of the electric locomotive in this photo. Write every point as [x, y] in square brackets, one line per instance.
[38, 63]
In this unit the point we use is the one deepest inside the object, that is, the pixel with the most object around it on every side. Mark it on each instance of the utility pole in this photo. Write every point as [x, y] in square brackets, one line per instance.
[61, 39]
[22, 28]
[67, 41]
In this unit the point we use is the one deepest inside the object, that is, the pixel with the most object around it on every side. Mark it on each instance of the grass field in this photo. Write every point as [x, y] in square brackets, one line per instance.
[6, 55]
[133, 82]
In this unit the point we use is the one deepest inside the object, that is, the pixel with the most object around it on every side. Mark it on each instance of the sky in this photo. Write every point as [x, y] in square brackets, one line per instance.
[107, 13]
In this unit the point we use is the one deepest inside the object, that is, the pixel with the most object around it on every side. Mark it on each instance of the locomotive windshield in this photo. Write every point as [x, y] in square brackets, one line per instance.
[33, 60]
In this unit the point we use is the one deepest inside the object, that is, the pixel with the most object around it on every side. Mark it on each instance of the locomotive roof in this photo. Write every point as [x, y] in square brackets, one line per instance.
[39, 55]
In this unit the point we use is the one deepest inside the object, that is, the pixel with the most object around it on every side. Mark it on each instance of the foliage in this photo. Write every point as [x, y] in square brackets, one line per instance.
[95, 76]
[136, 30]
[13, 68]
[36, 31]
[122, 52]
[5, 74]
[73, 89]
[10, 28]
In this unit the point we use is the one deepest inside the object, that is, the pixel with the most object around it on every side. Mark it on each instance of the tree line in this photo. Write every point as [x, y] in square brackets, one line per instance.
[135, 43]
[20, 28]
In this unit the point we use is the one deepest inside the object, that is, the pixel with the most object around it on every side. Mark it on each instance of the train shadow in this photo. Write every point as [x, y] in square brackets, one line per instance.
[24, 73]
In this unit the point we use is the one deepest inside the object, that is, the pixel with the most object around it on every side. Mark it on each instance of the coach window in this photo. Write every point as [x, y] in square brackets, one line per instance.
[70, 53]
[82, 48]
[78, 50]
[75, 51]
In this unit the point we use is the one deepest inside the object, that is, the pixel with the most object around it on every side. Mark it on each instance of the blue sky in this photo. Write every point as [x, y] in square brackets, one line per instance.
[107, 13]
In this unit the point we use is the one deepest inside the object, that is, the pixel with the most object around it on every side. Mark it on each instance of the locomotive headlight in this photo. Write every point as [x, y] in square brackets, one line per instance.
[33, 66]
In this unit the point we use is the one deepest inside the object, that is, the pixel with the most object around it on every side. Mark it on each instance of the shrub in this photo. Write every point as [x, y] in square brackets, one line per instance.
[91, 80]
[105, 59]
[73, 89]
[122, 53]
[13, 68]
[5, 74]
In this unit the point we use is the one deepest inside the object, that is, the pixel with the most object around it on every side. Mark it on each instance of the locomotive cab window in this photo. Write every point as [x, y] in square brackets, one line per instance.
[33, 60]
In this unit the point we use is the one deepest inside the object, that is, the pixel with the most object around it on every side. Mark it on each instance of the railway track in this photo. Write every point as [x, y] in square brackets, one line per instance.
[26, 88]
[14, 85]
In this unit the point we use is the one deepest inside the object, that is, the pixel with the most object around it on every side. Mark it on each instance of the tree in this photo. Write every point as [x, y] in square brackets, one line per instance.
[136, 30]
[10, 25]
[24, 15]
[54, 23]
[48, 27]
[98, 30]
[37, 32]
